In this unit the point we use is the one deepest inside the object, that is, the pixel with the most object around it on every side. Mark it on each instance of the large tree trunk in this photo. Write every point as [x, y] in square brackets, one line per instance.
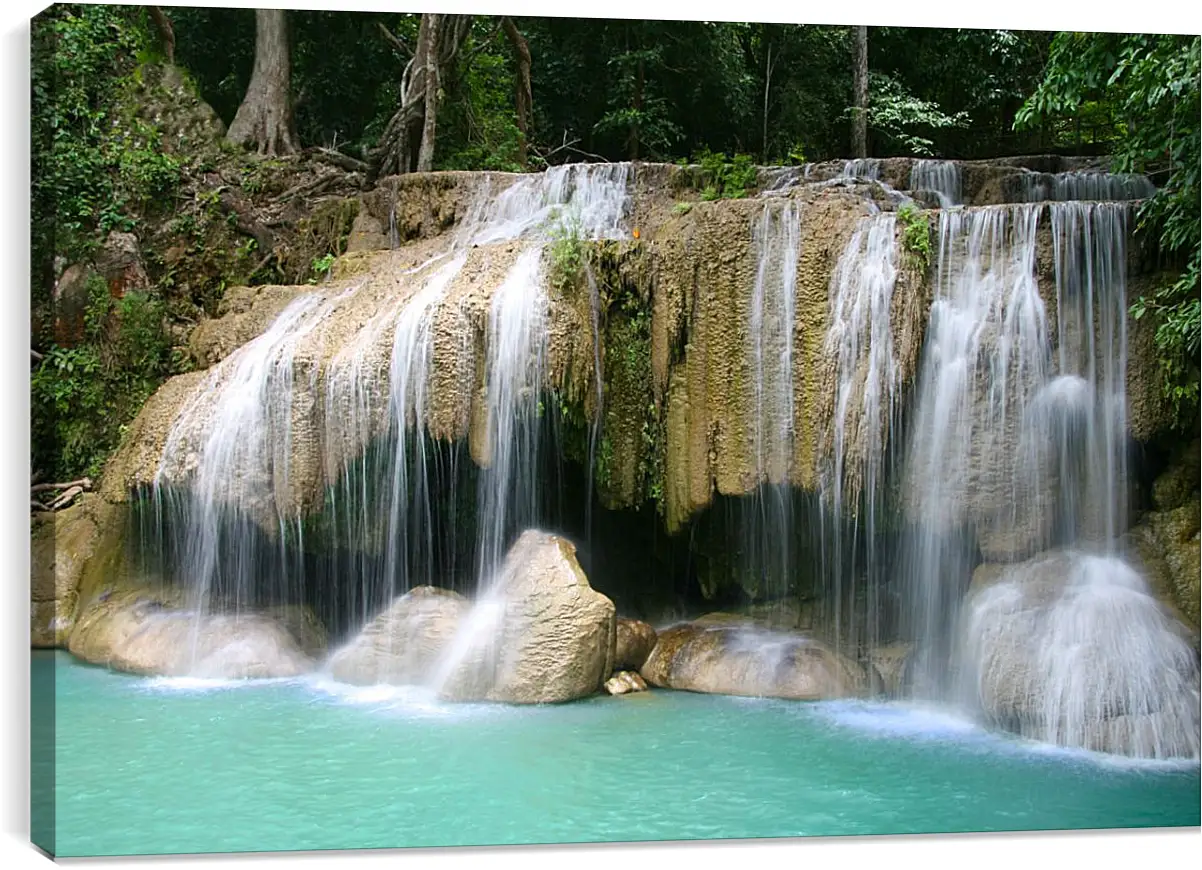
[859, 129]
[166, 33]
[265, 117]
[439, 38]
[523, 98]
[425, 153]
[767, 90]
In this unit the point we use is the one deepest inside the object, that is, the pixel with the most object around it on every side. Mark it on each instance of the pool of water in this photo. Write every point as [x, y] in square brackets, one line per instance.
[170, 766]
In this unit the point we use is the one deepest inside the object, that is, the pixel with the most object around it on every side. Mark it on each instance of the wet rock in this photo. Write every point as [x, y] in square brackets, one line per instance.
[890, 663]
[62, 545]
[635, 640]
[541, 635]
[150, 635]
[625, 682]
[728, 657]
[402, 645]
[1073, 648]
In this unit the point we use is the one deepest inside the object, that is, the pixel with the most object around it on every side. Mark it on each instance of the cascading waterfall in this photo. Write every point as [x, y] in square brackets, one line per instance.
[941, 177]
[986, 350]
[777, 239]
[235, 437]
[1085, 185]
[862, 167]
[860, 339]
[229, 452]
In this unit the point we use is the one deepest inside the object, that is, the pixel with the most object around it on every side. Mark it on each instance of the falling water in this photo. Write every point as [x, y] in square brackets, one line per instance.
[1085, 185]
[862, 167]
[941, 177]
[226, 465]
[860, 339]
[777, 239]
[986, 350]
[1072, 649]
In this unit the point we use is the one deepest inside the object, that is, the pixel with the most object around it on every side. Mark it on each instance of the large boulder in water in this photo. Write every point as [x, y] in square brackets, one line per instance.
[541, 634]
[635, 640]
[1073, 648]
[147, 634]
[735, 657]
[402, 645]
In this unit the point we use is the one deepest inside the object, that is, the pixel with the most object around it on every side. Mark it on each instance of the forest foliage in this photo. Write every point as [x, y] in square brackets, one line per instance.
[720, 94]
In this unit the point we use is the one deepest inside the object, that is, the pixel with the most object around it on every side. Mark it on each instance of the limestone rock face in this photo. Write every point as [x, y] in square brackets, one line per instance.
[729, 657]
[403, 644]
[625, 682]
[1073, 648]
[635, 641]
[541, 635]
[62, 544]
[147, 634]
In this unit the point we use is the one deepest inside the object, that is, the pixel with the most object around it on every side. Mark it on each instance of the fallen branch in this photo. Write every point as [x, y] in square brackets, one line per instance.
[38, 506]
[83, 482]
[66, 498]
[37, 357]
[246, 224]
[337, 158]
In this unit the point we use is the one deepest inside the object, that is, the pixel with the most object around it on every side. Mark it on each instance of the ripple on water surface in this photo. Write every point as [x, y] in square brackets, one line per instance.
[170, 765]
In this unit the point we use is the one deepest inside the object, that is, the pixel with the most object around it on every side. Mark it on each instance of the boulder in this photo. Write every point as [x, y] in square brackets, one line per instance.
[635, 640]
[541, 634]
[625, 682]
[890, 663]
[149, 634]
[402, 645]
[62, 543]
[729, 657]
[1073, 648]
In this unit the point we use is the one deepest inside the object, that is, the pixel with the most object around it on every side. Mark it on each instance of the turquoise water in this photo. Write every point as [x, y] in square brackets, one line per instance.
[163, 766]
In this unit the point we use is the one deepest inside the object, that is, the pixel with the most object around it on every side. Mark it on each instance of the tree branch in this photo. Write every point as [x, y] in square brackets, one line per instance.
[397, 42]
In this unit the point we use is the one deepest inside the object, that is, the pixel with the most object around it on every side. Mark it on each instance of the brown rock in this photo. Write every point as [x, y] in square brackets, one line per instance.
[635, 641]
[734, 659]
[625, 682]
[403, 645]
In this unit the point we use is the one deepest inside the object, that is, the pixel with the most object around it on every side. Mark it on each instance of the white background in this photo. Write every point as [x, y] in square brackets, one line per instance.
[1068, 850]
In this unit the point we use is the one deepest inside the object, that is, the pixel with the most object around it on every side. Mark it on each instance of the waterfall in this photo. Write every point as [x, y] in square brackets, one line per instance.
[941, 177]
[1086, 184]
[862, 167]
[860, 340]
[226, 474]
[770, 337]
[986, 351]
[508, 499]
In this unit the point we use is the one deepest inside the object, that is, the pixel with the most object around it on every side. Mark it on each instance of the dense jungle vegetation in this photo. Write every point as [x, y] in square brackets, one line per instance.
[380, 93]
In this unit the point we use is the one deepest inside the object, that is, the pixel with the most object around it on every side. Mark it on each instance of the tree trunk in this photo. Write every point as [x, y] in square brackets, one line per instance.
[265, 117]
[523, 98]
[859, 130]
[425, 153]
[163, 24]
[439, 39]
[767, 87]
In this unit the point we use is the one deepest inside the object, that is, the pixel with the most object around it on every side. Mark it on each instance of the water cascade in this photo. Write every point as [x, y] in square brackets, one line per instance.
[860, 339]
[225, 475]
[941, 177]
[771, 336]
[1085, 185]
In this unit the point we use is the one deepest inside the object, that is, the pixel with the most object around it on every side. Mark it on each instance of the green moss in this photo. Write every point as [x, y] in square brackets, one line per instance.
[915, 237]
